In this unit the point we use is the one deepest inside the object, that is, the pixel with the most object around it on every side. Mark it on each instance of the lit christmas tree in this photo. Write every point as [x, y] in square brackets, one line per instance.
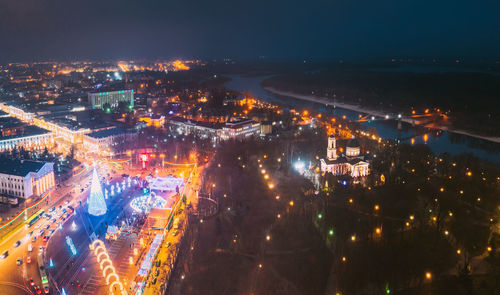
[97, 205]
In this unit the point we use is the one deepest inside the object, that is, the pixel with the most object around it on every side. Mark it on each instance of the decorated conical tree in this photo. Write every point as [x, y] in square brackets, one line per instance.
[97, 205]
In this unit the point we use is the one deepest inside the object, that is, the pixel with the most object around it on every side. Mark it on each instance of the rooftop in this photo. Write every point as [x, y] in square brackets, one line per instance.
[103, 92]
[28, 131]
[6, 122]
[19, 167]
[108, 132]
[197, 123]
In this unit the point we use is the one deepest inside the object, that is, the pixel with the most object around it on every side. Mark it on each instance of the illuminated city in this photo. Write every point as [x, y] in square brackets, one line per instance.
[249, 148]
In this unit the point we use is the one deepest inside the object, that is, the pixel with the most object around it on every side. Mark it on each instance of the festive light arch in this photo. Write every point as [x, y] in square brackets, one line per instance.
[100, 247]
[106, 268]
[95, 242]
[101, 264]
[106, 265]
[100, 254]
[116, 283]
[111, 275]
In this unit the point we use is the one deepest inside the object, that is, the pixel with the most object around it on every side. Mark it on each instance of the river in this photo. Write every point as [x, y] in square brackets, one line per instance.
[439, 142]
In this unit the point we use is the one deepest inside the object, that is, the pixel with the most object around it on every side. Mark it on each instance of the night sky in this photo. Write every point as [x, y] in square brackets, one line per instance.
[314, 29]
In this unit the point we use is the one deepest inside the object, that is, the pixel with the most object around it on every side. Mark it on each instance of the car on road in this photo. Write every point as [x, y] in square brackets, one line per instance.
[46, 238]
[41, 248]
[4, 254]
[16, 244]
[33, 239]
[30, 247]
[31, 282]
[46, 290]
[66, 202]
[53, 220]
[52, 231]
[41, 232]
[28, 260]
[47, 226]
[19, 261]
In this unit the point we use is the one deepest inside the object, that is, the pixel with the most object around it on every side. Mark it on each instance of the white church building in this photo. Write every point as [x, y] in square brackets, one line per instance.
[351, 163]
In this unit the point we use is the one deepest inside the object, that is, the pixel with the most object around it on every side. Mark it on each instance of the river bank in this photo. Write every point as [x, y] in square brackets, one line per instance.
[372, 112]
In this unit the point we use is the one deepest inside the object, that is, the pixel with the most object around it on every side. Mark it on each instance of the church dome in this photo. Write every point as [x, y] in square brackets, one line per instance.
[353, 143]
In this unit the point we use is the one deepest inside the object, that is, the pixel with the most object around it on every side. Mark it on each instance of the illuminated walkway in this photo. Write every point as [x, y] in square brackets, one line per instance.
[108, 270]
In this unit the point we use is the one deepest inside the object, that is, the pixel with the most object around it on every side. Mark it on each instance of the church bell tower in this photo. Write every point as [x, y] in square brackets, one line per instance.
[331, 151]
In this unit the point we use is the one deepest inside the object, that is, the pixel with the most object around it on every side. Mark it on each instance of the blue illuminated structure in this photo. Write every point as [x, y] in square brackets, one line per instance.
[71, 245]
[148, 260]
[97, 204]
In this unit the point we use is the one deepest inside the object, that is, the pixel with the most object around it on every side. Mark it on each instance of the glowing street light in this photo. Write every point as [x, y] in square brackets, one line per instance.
[428, 275]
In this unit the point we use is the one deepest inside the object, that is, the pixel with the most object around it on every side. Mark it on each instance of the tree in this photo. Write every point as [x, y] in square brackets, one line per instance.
[106, 107]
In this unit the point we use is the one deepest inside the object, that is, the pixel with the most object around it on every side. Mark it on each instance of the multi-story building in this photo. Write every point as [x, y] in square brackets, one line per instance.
[198, 128]
[16, 134]
[24, 178]
[68, 130]
[21, 114]
[238, 129]
[108, 141]
[98, 99]
[155, 121]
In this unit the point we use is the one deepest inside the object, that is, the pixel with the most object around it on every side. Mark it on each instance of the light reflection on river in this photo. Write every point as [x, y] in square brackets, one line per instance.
[443, 142]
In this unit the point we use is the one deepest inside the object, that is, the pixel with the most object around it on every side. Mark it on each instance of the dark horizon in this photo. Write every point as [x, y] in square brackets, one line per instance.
[94, 30]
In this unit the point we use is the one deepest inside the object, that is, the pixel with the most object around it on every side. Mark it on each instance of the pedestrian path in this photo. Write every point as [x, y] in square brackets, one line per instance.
[92, 285]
